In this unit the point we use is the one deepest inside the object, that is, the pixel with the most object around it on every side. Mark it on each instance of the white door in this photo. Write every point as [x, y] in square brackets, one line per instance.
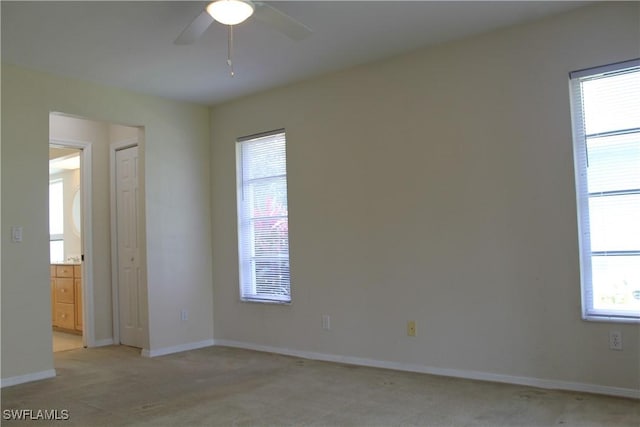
[129, 274]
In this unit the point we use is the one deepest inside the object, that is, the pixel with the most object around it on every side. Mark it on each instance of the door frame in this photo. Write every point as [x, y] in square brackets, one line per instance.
[88, 309]
[113, 148]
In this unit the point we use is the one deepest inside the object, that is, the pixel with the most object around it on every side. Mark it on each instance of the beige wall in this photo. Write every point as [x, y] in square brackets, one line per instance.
[177, 201]
[438, 187]
[119, 133]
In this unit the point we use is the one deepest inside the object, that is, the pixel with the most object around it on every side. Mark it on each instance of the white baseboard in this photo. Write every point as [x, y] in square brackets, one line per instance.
[458, 373]
[34, 376]
[176, 349]
[103, 343]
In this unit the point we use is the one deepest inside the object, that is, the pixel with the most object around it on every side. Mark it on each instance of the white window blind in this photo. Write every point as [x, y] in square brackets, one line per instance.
[263, 227]
[606, 130]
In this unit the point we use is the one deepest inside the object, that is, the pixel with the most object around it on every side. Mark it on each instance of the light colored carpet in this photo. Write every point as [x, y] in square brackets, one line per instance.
[218, 386]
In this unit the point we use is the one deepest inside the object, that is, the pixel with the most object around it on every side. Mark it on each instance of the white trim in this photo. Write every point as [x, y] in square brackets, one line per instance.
[88, 308]
[611, 319]
[457, 373]
[603, 69]
[177, 349]
[27, 378]
[583, 196]
[104, 342]
[113, 148]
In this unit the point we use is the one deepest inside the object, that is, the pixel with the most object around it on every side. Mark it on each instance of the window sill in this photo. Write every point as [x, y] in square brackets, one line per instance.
[263, 301]
[610, 319]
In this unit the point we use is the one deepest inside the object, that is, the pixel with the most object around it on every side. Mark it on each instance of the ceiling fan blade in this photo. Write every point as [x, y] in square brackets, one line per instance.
[281, 21]
[197, 27]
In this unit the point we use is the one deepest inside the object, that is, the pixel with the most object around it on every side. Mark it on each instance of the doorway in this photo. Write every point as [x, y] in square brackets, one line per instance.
[66, 245]
[97, 141]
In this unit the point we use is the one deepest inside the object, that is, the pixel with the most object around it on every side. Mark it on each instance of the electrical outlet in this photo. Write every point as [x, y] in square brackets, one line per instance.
[326, 322]
[615, 340]
[184, 314]
[411, 328]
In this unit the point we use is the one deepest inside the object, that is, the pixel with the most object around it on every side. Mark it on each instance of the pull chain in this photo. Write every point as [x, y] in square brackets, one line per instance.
[230, 51]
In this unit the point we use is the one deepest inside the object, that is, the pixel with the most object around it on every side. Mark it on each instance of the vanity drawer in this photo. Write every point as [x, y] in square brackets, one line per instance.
[64, 290]
[64, 270]
[64, 315]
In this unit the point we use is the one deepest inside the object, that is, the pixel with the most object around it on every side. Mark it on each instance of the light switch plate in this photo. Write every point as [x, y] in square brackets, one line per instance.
[16, 233]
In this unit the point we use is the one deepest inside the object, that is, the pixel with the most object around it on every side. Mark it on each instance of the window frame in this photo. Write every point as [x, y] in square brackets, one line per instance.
[253, 297]
[583, 197]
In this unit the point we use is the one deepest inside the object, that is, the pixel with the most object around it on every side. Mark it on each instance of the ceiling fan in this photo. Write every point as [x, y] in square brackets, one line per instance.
[233, 12]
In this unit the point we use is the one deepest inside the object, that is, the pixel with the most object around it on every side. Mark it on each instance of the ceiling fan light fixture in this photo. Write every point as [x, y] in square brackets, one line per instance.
[230, 12]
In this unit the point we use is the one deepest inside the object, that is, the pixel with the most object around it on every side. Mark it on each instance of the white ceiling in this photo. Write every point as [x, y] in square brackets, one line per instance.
[130, 44]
